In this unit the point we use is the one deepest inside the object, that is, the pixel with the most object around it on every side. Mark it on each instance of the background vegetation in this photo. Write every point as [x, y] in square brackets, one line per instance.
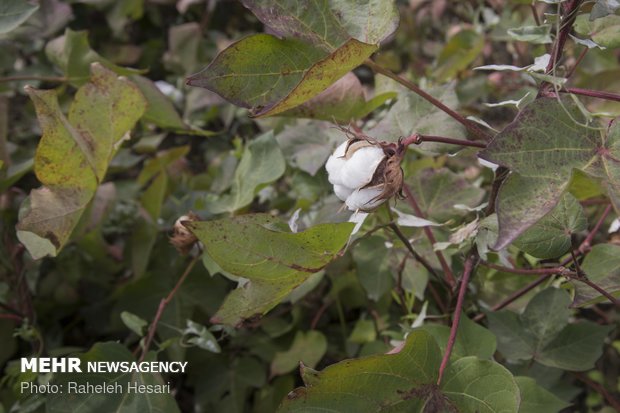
[495, 277]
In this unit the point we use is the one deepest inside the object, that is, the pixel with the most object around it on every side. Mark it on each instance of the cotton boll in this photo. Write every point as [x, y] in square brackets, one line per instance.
[359, 169]
[364, 199]
[342, 192]
[335, 163]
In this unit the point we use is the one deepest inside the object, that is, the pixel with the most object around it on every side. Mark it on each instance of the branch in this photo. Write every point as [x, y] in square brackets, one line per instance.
[570, 13]
[471, 126]
[417, 139]
[592, 93]
[162, 306]
[424, 263]
[431, 237]
[515, 296]
[470, 264]
[527, 271]
[599, 389]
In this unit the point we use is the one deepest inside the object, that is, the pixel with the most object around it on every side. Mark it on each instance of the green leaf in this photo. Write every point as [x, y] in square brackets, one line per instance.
[99, 118]
[328, 24]
[458, 53]
[274, 262]
[437, 191]
[603, 8]
[342, 102]
[480, 386]
[542, 332]
[307, 147]
[535, 399]
[307, 348]
[321, 40]
[551, 236]
[14, 12]
[541, 146]
[406, 382]
[411, 113]
[262, 162]
[601, 266]
[71, 52]
[121, 402]
[577, 347]
[605, 31]
[532, 34]
[471, 340]
[134, 323]
[272, 85]
[372, 384]
[373, 269]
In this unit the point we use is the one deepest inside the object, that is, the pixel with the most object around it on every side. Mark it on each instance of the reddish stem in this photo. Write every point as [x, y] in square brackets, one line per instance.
[592, 93]
[162, 306]
[527, 271]
[470, 264]
[11, 317]
[431, 237]
[601, 290]
[599, 389]
[577, 62]
[471, 126]
[417, 139]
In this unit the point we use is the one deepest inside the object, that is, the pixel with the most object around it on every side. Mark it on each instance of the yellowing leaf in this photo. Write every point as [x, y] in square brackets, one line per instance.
[73, 155]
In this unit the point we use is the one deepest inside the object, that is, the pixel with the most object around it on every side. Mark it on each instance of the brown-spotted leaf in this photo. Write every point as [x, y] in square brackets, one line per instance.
[73, 155]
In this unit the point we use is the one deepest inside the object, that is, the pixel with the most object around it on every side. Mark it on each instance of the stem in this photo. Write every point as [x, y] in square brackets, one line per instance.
[10, 317]
[7, 79]
[471, 126]
[470, 264]
[577, 62]
[592, 93]
[599, 389]
[515, 296]
[162, 306]
[524, 271]
[585, 244]
[425, 264]
[601, 290]
[417, 139]
[431, 237]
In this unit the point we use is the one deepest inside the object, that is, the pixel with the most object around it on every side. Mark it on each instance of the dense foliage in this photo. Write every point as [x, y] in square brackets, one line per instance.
[163, 196]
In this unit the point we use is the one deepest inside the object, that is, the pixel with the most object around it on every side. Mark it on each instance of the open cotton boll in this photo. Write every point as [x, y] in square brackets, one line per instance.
[360, 168]
[335, 163]
[364, 199]
[342, 192]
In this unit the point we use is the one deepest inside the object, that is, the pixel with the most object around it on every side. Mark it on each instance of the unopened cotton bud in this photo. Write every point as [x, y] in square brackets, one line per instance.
[360, 168]
[364, 199]
[342, 192]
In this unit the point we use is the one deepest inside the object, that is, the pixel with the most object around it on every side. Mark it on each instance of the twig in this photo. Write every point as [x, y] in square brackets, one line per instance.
[528, 271]
[11, 317]
[599, 389]
[7, 79]
[431, 237]
[587, 242]
[162, 306]
[535, 14]
[601, 290]
[319, 314]
[417, 139]
[515, 296]
[592, 93]
[470, 264]
[471, 126]
[443, 307]
[577, 62]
